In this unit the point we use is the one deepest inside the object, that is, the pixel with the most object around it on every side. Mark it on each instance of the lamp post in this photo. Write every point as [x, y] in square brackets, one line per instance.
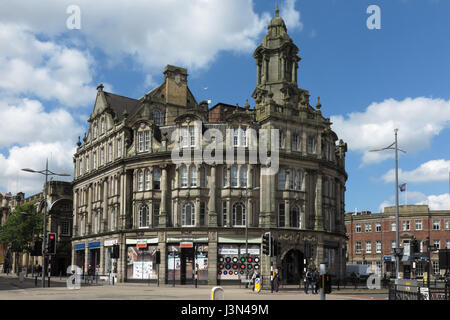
[46, 173]
[394, 146]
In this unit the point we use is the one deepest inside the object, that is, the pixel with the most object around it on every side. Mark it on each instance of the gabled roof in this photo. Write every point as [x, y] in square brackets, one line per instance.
[120, 103]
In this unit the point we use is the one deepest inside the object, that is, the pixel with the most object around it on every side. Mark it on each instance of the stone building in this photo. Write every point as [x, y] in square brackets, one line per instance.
[372, 238]
[59, 220]
[129, 190]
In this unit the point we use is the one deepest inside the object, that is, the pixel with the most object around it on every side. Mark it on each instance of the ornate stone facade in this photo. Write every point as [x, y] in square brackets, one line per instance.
[128, 189]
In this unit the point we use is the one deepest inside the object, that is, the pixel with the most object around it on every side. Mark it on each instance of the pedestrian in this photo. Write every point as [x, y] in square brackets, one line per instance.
[309, 281]
[276, 281]
[316, 277]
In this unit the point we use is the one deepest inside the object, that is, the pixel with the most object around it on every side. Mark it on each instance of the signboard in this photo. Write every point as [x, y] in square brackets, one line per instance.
[186, 244]
[141, 243]
[387, 258]
[94, 245]
[250, 251]
[110, 243]
[228, 251]
[142, 270]
[80, 246]
[425, 293]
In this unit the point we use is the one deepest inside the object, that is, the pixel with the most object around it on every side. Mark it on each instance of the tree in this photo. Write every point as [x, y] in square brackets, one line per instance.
[21, 229]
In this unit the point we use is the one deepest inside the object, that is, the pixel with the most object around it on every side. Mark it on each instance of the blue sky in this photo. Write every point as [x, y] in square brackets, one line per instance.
[369, 81]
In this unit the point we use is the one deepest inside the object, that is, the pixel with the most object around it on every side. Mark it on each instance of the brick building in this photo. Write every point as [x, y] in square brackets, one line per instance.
[371, 238]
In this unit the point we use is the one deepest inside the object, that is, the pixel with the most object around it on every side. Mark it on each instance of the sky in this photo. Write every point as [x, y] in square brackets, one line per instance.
[53, 55]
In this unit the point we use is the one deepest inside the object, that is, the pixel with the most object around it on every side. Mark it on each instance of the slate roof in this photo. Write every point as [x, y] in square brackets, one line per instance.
[119, 103]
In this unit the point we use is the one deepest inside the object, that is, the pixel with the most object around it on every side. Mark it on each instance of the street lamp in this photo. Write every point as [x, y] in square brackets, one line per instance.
[394, 146]
[46, 173]
[246, 231]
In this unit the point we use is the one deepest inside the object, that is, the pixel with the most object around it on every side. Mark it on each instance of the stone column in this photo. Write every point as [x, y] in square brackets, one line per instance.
[89, 222]
[258, 73]
[229, 213]
[122, 261]
[319, 146]
[287, 183]
[212, 214]
[197, 212]
[162, 246]
[176, 222]
[212, 258]
[75, 213]
[318, 225]
[72, 258]
[102, 257]
[104, 217]
[86, 258]
[287, 213]
[304, 139]
[163, 209]
[267, 217]
[288, 144]
[250, 212]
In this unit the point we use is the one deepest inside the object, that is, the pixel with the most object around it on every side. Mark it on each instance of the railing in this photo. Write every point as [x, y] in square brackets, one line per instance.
[414, 293]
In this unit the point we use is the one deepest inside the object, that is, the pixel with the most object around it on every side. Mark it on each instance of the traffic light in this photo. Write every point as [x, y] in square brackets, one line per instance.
[115, 252]
[266, 243]
[158, 257]
[327, 283]
[51, 243]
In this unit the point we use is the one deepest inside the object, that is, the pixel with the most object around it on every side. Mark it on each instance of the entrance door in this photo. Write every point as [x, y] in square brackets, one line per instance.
[186, 265]
[292, 267]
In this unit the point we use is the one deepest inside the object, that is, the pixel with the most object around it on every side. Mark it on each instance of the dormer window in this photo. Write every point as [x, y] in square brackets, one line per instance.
[143, 141]
[240, 137]
[187, 137]
[157, 117]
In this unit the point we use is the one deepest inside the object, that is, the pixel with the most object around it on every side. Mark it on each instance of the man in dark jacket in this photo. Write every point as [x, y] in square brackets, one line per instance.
[309, 281]
[316, 278]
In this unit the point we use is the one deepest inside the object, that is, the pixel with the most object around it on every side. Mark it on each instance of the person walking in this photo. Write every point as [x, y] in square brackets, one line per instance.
[316, 277]
[309, 281]
[276, 281]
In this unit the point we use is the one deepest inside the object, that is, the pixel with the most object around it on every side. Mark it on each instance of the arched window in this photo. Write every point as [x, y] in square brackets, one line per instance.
[281, 179]
[156, 179]
[238, 214]
[193, 176]
[188, 215]
[234, 176]
[243, 177]
[183, 177]
[143, 216]
[295, 217]
[139, 182]
[147, 179]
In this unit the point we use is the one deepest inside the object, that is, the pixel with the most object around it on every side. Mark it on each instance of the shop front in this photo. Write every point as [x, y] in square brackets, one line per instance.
[185, 259]
[94, 257]
[235, 262]
[80, 255]
[110, 263]
[141, 260]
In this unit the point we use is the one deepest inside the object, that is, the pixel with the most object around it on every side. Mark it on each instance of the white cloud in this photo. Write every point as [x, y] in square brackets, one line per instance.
[434, 202]
[34, 156]
[438, 202]
[418, 121]
[25, 120]
[433, 170]
[155, 33]
[291, 16]
[30, 66]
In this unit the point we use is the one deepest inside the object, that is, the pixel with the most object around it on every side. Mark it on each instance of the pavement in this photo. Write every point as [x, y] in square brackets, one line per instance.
[12, 289]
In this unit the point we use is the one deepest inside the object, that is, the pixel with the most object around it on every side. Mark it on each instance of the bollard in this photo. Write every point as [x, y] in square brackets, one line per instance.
[217, 293]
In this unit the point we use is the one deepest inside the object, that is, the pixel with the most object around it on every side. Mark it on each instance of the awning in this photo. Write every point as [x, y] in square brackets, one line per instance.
[149, 241]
